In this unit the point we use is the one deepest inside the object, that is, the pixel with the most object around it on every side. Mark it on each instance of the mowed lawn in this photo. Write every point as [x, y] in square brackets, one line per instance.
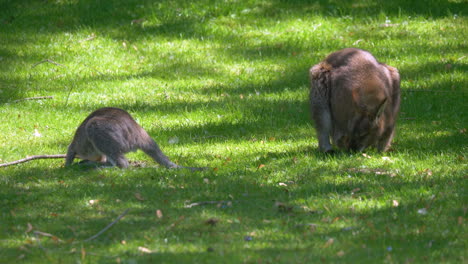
[225, 84]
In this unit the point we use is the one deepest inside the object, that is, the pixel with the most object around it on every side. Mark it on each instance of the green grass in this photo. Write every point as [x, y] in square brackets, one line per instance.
[229, 80]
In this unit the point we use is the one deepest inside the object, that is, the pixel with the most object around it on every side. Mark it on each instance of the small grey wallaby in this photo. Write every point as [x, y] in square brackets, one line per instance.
[107, 134]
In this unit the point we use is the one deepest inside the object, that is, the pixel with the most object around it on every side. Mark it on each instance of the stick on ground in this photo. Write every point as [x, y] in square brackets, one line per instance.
[107, 227]
[33, 98]
[49, 61]
[57, 156]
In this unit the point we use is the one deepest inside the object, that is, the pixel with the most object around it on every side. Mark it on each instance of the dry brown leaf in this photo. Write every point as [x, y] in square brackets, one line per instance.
[460, 220]
[261, 166]
[144, 250]
[83, 253]
[335, 219]
[328, 243]
[428, 172]
[159, 214]
[212, 221]
[138, 21]
[93, 202]
[139, 197]
[282, 207]
[340, 253]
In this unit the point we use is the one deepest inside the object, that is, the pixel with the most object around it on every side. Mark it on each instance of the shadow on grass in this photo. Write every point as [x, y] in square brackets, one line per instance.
[57, 201]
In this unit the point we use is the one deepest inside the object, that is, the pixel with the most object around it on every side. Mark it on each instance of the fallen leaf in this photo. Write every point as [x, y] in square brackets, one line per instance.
[181, 218]
[340, 253]
[36, 133]
[328, 243]
[212, 221]
[460, 220]
[422, 211]
[463, 131]
[138, 21]
[139, 197]
[83, 253]
[366, 156]
[159, 214]
[261, 166]
[93, 202]
[282, 207]
[173, 140]
[312, 227]
[144, 250]
[387, 159]
[123, 242]
[428, 172]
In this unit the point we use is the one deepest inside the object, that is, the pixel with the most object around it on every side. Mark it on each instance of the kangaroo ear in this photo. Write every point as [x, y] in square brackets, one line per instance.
[381, 109]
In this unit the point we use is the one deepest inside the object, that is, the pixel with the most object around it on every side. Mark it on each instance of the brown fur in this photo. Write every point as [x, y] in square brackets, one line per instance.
[107, 134]
[354, 100]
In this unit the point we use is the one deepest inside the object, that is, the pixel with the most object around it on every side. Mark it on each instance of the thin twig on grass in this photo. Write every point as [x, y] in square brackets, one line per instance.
[88, 38]
[39, 242]
[56, 156]
[107, 227]
[33, 98]
[49, 61]
[37, 232]
[206, 137]
[68, 95]
[205, 202]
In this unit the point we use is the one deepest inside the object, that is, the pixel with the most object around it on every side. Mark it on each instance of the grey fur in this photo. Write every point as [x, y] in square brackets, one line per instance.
[107, 134]
[355, 100]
